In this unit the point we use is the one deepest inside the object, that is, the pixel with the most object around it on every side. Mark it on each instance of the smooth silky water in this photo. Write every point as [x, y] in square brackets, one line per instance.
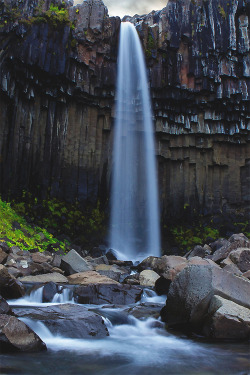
[134, 228]
[134, 347]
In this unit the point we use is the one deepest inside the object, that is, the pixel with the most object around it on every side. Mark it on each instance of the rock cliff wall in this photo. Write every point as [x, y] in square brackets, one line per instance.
[58, 73]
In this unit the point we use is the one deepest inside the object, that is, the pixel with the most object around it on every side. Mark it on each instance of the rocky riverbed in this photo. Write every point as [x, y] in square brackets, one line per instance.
[207, 292]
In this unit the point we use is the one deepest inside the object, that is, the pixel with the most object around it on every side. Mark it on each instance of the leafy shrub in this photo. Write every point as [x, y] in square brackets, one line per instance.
[17, 232]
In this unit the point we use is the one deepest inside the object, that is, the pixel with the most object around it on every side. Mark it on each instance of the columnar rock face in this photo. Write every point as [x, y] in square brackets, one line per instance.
[57, 85]
[57, 91]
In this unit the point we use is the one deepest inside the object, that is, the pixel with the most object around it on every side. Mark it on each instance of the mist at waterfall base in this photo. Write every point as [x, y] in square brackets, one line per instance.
[134, 232]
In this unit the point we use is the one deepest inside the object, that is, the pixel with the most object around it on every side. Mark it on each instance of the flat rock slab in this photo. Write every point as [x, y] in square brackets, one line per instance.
[68, 320]
[17, 336]
[99, 294]
[89, 277]
[47, 277]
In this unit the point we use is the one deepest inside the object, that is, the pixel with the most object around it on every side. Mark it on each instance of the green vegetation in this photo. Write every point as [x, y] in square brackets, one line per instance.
[186, 238]
[151, 45]
[222, 12]
[55, 16]
[15, 231]
[84, 226]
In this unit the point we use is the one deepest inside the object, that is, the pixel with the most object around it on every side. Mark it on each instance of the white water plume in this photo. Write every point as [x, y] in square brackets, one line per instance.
[134, 199]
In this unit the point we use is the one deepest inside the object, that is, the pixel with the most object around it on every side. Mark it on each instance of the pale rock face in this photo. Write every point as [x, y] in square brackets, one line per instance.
[148, 278]
[89, 277]
[227, 320]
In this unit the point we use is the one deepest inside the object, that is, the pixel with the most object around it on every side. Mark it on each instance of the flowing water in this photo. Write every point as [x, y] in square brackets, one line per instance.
[134, 199]
[35, 298]
[134, 347]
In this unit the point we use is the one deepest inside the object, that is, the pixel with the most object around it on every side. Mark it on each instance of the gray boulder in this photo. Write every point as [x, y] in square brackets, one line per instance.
[227, 320]
[4, 307]
[68, 320]
[10, 288]
[99, 294]
[17, 336]
[191, 292]
[73, 263]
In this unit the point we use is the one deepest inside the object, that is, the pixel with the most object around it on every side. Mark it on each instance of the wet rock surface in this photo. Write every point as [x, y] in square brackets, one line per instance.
[68, 320]
[9, 286]
[227, 319]
[17, 336]
[190, 299]
[208, 298]
[104, 293]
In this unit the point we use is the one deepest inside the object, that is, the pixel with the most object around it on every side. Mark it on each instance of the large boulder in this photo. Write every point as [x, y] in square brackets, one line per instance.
[148, 278]
[68, 320]
[10, 287]
[17, 336]
[173, 266]
[191, 292]
[99, 294]
[227, 320]
[73, 263]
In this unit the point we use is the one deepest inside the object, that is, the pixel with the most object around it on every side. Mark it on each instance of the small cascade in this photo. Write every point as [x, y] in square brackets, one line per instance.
[150, 296]
[65, 295]
[35, 298]
[39, 328]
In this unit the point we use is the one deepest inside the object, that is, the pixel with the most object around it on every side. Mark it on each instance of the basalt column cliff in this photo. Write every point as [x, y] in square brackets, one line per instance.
[57, 87]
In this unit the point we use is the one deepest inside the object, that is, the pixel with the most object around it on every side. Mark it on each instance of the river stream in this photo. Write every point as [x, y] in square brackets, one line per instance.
[134, 347]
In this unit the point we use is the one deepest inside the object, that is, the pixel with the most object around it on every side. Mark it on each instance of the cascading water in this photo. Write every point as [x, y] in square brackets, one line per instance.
[134, 212]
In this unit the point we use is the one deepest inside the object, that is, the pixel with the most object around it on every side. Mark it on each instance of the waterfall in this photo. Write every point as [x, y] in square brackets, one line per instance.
[134, 231]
